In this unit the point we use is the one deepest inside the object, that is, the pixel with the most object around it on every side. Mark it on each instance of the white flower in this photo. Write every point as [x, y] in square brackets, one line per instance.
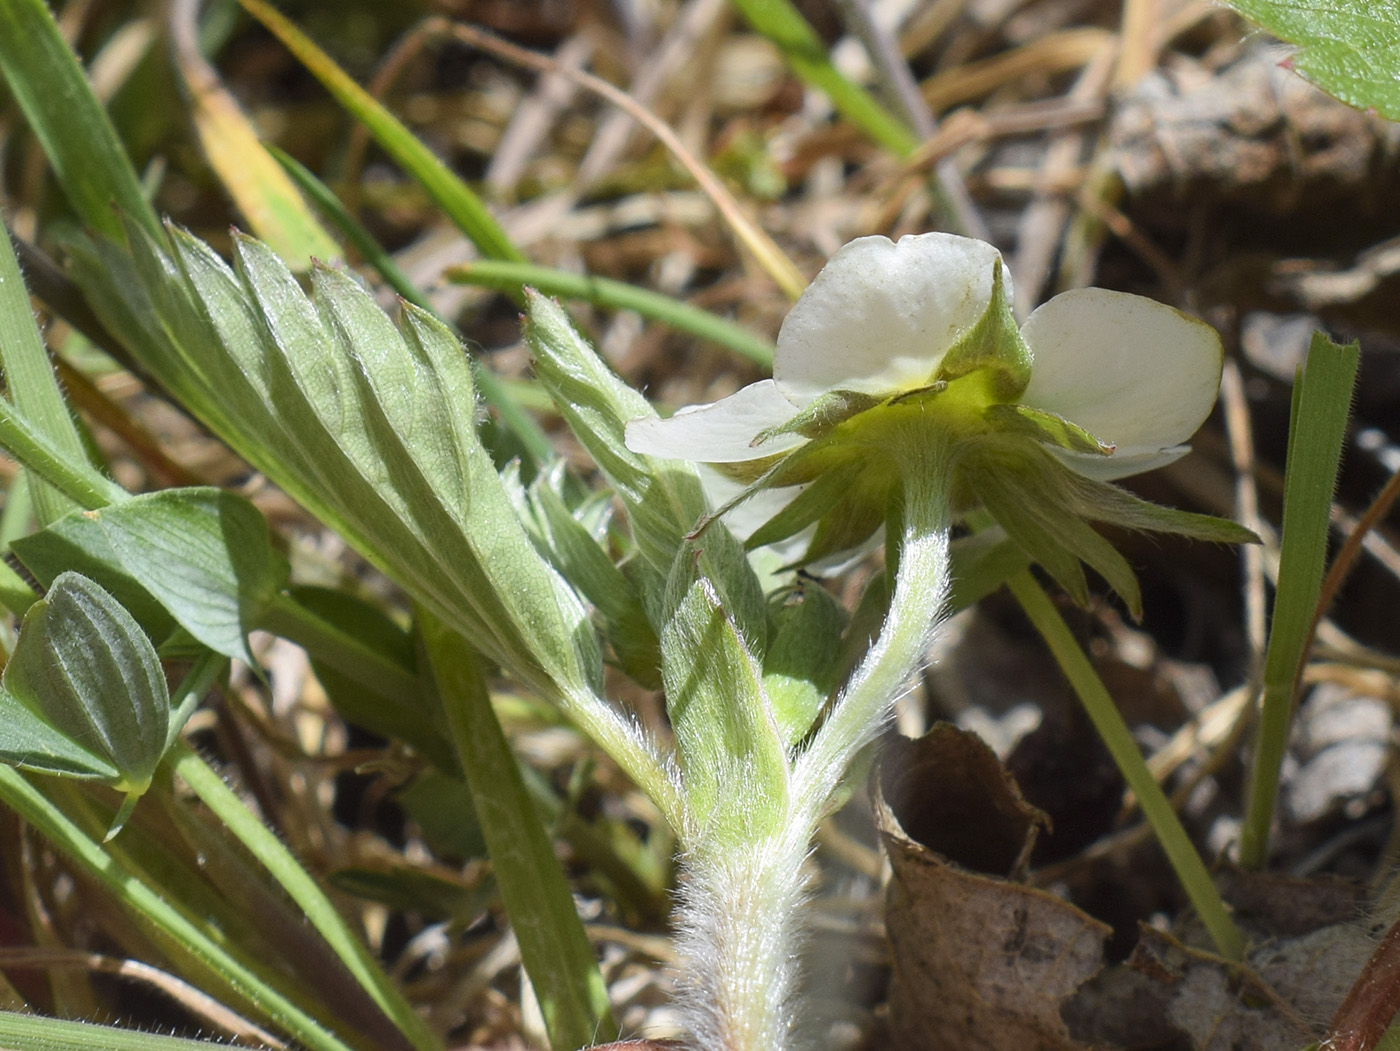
[881, 318]
[901, 356]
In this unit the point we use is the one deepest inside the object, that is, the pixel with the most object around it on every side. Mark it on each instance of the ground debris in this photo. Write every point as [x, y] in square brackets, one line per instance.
[982, 961]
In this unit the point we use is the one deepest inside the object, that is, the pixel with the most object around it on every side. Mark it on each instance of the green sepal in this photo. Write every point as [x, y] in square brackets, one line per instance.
[83, 694]
[1102, 502]
[848, 526]
[816, 500]
[1041, 517]
[1044, 426]
[732, 755]
[993, 346]
[804, 659]
[827, 411]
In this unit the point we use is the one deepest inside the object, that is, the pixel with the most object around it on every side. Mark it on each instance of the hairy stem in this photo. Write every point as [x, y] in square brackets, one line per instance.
[741, 914]
[740, 921]
[916, 609]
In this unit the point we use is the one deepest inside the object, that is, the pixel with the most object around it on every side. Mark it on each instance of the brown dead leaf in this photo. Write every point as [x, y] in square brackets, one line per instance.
[980, 962]
[984, 963]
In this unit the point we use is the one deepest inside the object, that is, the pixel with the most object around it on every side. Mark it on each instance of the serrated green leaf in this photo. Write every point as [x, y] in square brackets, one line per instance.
[84, 668]
[585, 564]
[731, 750]
[311, 392]
[1349, 49]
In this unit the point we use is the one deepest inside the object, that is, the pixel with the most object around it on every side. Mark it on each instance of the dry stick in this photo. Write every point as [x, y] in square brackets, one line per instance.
[1345, 561]
[769, 256]
[535, 116]
[666, 61]
[1042, 223]
[893, 71]
[1137, 53]
[1123, 228]
[1060, 52]
[968, 127]
[198, 1003]
[1241, 436]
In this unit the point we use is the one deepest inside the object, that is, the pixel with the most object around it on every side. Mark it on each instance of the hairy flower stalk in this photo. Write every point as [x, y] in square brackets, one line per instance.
[904, 396]
[741, 922]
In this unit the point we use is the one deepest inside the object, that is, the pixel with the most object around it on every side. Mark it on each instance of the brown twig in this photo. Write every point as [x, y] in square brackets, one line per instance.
[767, 253]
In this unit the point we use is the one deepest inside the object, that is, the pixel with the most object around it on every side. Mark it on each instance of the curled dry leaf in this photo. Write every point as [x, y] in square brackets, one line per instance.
[983, 962]
[980, 962]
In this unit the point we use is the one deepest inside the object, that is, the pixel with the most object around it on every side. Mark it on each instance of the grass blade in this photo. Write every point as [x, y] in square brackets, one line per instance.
[44, 76]
[1321, 404]
[261, 190]
[31, 384]
[26, 1032]
[617, 295]
[553, 945]
[805, 53]
[1116, 736]
[278, 860]
[27, 801]
[455, 198]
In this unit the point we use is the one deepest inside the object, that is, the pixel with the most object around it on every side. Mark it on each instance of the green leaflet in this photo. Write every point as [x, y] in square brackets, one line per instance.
[804, 660]
[662, 497]
[1350, 49]
[368, 424]
[731, 750]
[200, 556]
[84, 694]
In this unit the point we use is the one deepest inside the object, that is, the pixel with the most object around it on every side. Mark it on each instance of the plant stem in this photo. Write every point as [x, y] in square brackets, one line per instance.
[1116, 736]
[916, 608]
[741, 917]
[740, 921]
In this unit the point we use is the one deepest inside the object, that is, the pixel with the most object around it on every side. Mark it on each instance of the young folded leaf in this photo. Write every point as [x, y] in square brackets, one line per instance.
[84, 694]
[731, 750]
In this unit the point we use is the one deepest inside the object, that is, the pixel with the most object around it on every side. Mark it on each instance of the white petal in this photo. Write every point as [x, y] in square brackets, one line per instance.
[880, 315]
[721, 432]
[1134, 373]
[1122, 463]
